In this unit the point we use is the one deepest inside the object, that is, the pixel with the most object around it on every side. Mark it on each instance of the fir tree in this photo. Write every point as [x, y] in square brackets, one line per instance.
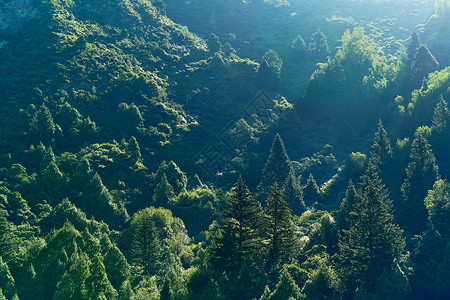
[344, 213]
[133, 149]
[7, 283]
[421, 173]
[311, 191]
[7, 239]
[293, 194]
[145, 244]
[116, 264]
[381, 151]
[285, 288]
[279, 229]
[373, 241]
[126, 291]
[239, 238]
[438, 205]
[318, 46]
[413, 46]
[441, 116]
[163, 193]
[424, 63]
[97, 283]
[72, 284]
[277, 168]
[83, 174]
[42, 127]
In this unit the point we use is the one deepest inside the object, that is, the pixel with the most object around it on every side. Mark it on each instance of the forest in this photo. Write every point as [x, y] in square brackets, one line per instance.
[224, 149]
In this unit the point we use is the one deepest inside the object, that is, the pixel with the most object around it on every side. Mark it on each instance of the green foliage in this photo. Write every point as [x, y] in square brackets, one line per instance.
[163, 192]
[7, 283]
[421, 173]
[381, 151]
[437, 203]
[42, 127]
[311, 191]
[318, 45]
[285, 288]
[276, 170]
[279, 229]
[238, 239]
[293, 194]
[423, 64]
[373, 241]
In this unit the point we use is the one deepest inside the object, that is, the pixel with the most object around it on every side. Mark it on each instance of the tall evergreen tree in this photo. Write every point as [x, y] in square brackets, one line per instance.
[7, 239]
[318, 46]
[441, 116]
[72, 284]
[373, 241]
[163, 193]
[344, 213]
[7, 283]
[286, 288]
[277, 168]
[279, 229]
[413, 46]
[293, 194]
[145, 244]
[42, 127]
[97, 283]
[424, 63]
[381, 151]
[133, 149]
[421, 174]
[239, 239]
[311, 191]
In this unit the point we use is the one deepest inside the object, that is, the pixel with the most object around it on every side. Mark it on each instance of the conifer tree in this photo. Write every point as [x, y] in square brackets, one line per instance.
[53, 181]
[42, 127]
[318, 45]
[279, 229]
[285, 288]
[83, 174]
[7, 283]
[277, 168]
[441, 116]
[373, 241]
[145, 244]
[126, 291]
[115, 263]
[424, 63]
[438, 205]
[381, 151]
[293, 194]
[239, 238]
[163, 193]
[421, 174]
[72, 284]
[311, 191]
[413, 46]
[97, 283]
[344, 214]
[7, 239]
[299, 46]
[133, 149]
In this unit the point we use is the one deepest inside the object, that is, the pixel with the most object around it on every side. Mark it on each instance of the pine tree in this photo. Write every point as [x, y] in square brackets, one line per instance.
[441, 116]
[277, 168]
[126, 291]
[421, 174]
[344, 214]
[42, 127]
[53, 181]
[116, 264]
[279, 229]
[413, 46]
[381, 152]
[239, 238]
[424, 63]
[83, 174]
[7, 239]
[318, 46]
[145, 244]
[285, 288]
[373, 241]
[311, 191]
[438, 205]
[7, 283]
[72, 284]
[293, 194]
[97, 283]
[163, 193]
[133, 149]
